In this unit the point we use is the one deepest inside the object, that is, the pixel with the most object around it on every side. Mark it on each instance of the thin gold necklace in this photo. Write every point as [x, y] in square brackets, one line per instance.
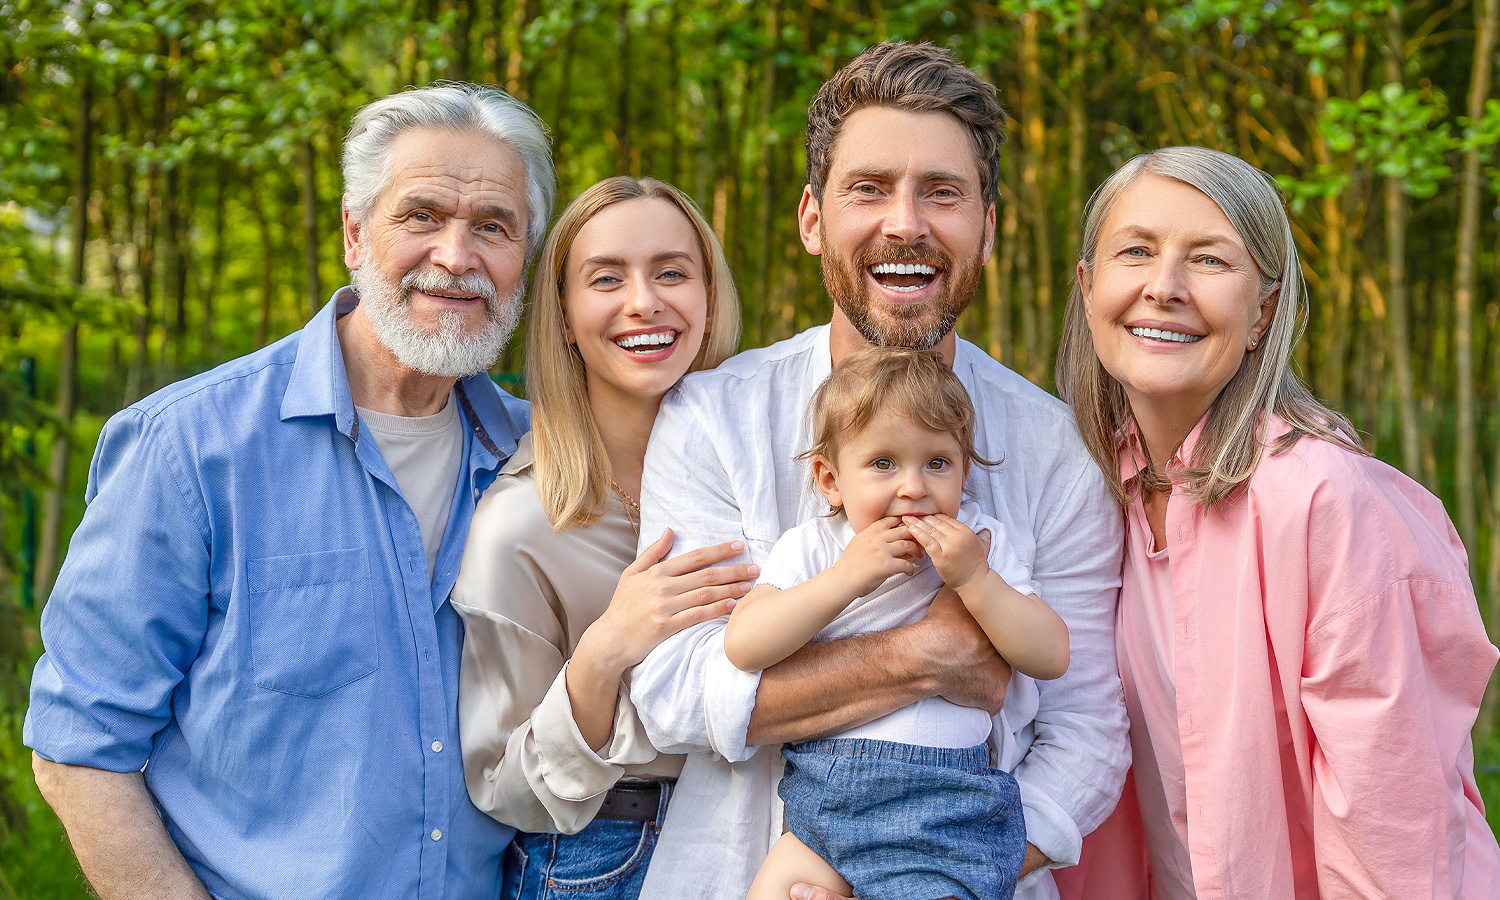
[630, 506]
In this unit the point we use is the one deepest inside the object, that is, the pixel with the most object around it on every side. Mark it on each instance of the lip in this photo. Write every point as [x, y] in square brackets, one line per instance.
[454, 302]
[919, 295]
[1160, 325]
[653, 356]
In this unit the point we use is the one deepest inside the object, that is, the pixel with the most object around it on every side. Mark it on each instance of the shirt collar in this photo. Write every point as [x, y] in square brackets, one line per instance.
[319, 384]
[1132, 457]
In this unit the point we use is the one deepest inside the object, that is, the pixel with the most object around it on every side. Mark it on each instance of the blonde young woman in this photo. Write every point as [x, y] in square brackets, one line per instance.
[1298, 639]
[632, 292]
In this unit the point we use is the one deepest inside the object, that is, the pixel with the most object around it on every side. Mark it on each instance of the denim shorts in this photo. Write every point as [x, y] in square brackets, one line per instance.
[605, 861]
[902, 822]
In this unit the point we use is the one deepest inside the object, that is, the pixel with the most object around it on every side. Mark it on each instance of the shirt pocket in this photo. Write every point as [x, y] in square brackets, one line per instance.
[312, 621]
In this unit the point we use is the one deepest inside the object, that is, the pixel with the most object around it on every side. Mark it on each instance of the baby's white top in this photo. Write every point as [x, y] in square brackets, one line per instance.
[815, 545]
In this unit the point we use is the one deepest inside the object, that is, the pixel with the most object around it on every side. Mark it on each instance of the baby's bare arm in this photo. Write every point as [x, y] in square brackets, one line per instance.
[769, 624]
[1024, 629]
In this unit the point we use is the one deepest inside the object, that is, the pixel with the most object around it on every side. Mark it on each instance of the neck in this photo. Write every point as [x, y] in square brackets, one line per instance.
[1163, 431]
[378, 381]
[624, 424]
[844, 339]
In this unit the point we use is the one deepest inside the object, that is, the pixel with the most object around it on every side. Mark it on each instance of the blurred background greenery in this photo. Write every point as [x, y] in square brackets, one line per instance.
[169, 199]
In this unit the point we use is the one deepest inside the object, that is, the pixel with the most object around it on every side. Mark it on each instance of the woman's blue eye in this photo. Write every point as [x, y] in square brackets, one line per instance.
[1135, 252]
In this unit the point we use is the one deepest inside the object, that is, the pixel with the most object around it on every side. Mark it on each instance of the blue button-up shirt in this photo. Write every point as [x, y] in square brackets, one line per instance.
[246, 612]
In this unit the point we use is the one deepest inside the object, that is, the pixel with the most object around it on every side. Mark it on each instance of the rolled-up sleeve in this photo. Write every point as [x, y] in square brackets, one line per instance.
[128, 614]
[1072, 775]
[526, 764]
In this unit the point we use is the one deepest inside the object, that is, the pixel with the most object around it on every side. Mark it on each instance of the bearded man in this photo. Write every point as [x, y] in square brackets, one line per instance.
[251, 666]
[902, 160]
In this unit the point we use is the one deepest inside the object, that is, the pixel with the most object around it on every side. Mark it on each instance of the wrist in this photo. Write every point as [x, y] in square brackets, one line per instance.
[596, 658]
[842, 582]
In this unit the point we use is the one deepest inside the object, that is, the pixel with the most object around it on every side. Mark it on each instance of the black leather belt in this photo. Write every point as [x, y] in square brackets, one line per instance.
[635, 801]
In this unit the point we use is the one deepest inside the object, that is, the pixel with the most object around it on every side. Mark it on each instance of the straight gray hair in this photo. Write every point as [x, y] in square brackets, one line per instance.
[1229, 446]
[455, 107]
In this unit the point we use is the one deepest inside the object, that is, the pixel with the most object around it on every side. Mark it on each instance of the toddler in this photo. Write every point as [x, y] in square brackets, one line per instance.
[906, 806]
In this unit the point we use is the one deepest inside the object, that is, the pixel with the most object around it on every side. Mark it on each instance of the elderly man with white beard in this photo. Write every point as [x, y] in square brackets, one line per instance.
[251, 666]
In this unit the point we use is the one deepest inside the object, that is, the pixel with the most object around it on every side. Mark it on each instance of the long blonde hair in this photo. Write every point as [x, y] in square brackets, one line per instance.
[1229, 447]
[572, 468]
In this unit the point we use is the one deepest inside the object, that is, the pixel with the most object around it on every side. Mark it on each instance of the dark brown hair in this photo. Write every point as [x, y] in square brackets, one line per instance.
[913, 77]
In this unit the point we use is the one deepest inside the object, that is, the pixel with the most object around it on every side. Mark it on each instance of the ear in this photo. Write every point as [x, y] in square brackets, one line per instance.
[1267, 314]
[989, 232]
[1086, 290]
[352, 237]
[809, 215]
[826, 480]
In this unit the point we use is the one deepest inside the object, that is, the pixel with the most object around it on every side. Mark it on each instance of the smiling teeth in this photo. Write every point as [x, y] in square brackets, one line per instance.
[1161, 335]
[903, 269]
[658, 339]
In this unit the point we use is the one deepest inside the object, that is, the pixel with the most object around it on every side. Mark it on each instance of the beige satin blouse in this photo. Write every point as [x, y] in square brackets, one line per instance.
[526, 593]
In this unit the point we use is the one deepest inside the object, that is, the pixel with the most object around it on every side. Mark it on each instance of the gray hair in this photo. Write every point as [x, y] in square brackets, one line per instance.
[448, 106]
[1229, 447]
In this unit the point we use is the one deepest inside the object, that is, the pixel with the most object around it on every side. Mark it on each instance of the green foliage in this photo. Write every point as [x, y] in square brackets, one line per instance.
[1403, 134]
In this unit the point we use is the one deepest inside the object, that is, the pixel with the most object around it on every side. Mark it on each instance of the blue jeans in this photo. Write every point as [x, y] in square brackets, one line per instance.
[605, 861]
[903, 822]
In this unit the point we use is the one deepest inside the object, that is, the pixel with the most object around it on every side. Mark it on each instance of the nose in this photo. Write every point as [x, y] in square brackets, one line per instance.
[905, 218]
[642, 298]
[1166, 282]
[453, 249]
[912, 486]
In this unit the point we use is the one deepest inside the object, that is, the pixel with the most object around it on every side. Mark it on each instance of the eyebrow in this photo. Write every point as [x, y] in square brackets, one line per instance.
[928, 177]
[620, 261]
[1136, 231]
[483, 210]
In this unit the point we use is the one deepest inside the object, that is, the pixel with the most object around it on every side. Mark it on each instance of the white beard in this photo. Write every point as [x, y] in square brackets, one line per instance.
[444, 350]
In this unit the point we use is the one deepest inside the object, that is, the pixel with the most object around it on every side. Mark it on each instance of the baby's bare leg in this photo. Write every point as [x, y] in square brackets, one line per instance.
[793, 862]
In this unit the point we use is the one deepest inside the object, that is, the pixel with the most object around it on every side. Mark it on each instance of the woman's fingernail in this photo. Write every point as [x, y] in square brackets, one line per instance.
[753, 570]
[801, 892]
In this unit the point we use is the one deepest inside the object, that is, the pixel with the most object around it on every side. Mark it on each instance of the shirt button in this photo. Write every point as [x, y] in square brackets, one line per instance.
[437, 746]
[437, 834]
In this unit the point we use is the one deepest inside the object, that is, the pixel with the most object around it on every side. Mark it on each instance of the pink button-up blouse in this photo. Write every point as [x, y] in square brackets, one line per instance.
[1328, 664]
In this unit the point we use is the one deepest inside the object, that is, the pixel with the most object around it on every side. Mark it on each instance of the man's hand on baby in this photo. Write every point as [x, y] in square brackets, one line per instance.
[956, 552]
[882, 549]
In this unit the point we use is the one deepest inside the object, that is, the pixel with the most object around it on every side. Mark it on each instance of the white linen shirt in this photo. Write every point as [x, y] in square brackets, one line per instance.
[722, 466]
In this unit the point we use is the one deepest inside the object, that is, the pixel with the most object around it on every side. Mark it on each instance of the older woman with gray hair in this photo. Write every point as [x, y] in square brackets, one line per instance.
[1298, 638]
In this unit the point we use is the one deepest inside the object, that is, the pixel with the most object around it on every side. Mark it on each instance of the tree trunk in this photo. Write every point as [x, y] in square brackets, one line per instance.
[458, 68]
[207, 346]
[53, 506]
[268, 260]
[1033, 171]
[310, 236]
[1463, 297]
[1398, 329]
[622, 95]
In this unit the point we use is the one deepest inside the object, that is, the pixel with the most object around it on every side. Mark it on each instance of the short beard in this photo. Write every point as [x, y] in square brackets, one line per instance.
[915, 327]
[445, 350]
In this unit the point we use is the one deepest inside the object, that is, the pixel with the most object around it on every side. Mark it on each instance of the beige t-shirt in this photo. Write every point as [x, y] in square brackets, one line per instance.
[526, 593]
[423, 453]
